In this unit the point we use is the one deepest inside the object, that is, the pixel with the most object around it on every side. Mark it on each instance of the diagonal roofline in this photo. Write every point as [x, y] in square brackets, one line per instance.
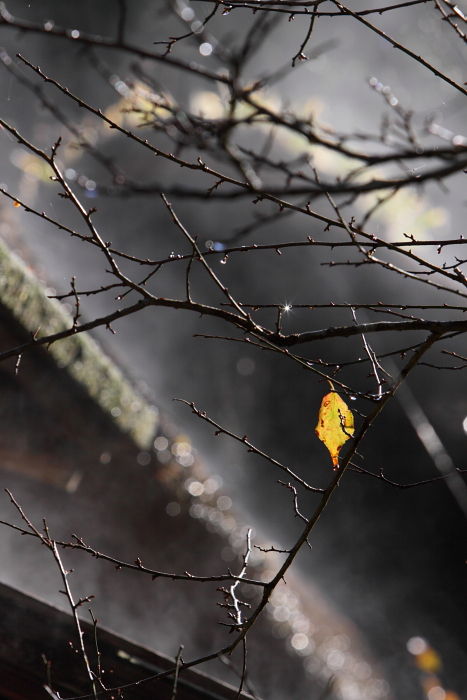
[26, 299]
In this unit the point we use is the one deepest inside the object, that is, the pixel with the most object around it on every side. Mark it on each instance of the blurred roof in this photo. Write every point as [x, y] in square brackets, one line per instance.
[27, 300]
[33, 632]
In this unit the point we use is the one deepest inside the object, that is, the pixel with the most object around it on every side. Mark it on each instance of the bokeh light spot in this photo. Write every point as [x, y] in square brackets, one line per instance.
[417, 645]
[173, 508]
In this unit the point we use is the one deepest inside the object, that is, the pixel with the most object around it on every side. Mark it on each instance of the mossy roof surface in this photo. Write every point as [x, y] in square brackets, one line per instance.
[79, 354]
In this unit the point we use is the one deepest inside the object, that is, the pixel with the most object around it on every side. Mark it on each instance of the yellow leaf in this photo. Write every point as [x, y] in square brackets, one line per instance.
[335, 424]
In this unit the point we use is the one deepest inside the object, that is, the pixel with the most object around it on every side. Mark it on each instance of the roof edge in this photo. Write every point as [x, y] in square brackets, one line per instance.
[80, 355]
